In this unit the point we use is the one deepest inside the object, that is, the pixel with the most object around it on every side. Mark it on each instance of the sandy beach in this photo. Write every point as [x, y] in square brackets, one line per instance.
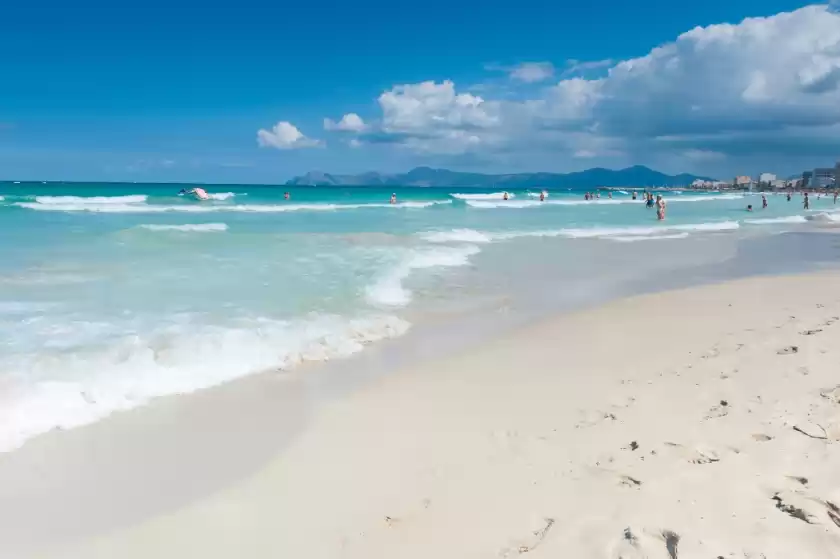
[698, 423]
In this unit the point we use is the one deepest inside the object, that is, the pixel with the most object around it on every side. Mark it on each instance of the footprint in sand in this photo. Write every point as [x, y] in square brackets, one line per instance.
[831, 394]
[698, 454]
[721, 410]
[646, 544]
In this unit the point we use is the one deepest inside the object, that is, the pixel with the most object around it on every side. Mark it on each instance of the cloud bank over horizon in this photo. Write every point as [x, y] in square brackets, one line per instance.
[760, 87]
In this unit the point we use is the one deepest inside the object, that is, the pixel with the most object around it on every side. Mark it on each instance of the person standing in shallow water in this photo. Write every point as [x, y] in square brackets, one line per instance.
[660, 208]
[807, 203]
[763, 202]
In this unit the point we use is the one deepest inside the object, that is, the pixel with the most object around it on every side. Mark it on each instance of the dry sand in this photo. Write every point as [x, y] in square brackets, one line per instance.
[693, 424]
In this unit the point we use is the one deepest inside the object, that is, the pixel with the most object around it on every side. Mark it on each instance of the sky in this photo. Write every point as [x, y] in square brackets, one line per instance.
[257, 92]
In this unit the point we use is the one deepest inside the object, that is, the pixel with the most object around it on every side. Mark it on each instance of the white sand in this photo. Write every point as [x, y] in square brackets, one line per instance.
[577, 438]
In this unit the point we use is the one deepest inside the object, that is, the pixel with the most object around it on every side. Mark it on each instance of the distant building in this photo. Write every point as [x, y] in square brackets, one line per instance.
[743, 181]
[778, 183]
[766, 178]
[806, 179]
[823, 177]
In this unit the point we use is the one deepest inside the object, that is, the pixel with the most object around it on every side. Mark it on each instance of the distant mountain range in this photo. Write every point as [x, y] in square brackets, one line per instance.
[424, 176]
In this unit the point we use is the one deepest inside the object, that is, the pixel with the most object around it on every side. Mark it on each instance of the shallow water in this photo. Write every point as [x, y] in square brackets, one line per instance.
[111, 295]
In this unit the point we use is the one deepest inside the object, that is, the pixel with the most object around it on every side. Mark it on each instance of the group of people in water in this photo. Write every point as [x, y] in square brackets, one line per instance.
[650, 200]
[806, 200]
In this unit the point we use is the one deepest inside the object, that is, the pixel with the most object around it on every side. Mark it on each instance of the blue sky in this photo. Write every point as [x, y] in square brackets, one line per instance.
[176, 91]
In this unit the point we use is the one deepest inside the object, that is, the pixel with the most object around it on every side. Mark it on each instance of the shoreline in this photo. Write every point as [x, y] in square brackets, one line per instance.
[382, 411]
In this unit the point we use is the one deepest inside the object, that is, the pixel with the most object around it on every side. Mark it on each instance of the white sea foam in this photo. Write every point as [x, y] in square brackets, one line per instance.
[220, 195]
[191, 227]
[208, 208]
[71, 386]
[389, 291]
[773, 220]
[537, 195]
[470, 235]
[88, 200]
[456, 236]
[1, 198]
[483, 196]
[824, 217]
[635, 238]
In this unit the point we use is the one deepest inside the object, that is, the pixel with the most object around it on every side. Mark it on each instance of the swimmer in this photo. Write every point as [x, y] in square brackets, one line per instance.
[286, 195]
[198, 192]
[634, 195]
[660, 208]
[788, 196]
[505, 196]
[394, 198]
[542, 196]
[610, 195]
[586, 196]
[749, 208]
[598, 195]
[806, 204]
[835, 196]
[649, 203]
[763, 202]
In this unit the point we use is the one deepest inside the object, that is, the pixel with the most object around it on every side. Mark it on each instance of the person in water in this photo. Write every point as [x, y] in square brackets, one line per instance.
[749, 207]
[660, 208]
[835, 196]
[542, 196]
[586, 196]
[610, 194]
[394, 198]
[649, 204]
[505, 196]
[198, 192]
[286, 195]
[806, 203]
[788, 196]
[634, 195]
[763, 202]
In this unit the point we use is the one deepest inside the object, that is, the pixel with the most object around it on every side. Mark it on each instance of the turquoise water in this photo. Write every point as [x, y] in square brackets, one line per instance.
[114, 294]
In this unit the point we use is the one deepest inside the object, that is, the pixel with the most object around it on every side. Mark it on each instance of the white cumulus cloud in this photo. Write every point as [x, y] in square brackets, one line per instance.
[715, 93]
[351, 122]
[285, 135]
[532, 72]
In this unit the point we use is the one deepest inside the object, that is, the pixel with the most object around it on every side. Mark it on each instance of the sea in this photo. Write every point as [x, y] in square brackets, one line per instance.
[112, 295]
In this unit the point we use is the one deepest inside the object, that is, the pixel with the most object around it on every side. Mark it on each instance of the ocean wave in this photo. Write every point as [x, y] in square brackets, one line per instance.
[389, 291]
[472, 236]
[520, 204]
[72, 386]
[207, 208]
[96, 200]
[192, 227]
[824, 217]
[485, 196]
[772, 220]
